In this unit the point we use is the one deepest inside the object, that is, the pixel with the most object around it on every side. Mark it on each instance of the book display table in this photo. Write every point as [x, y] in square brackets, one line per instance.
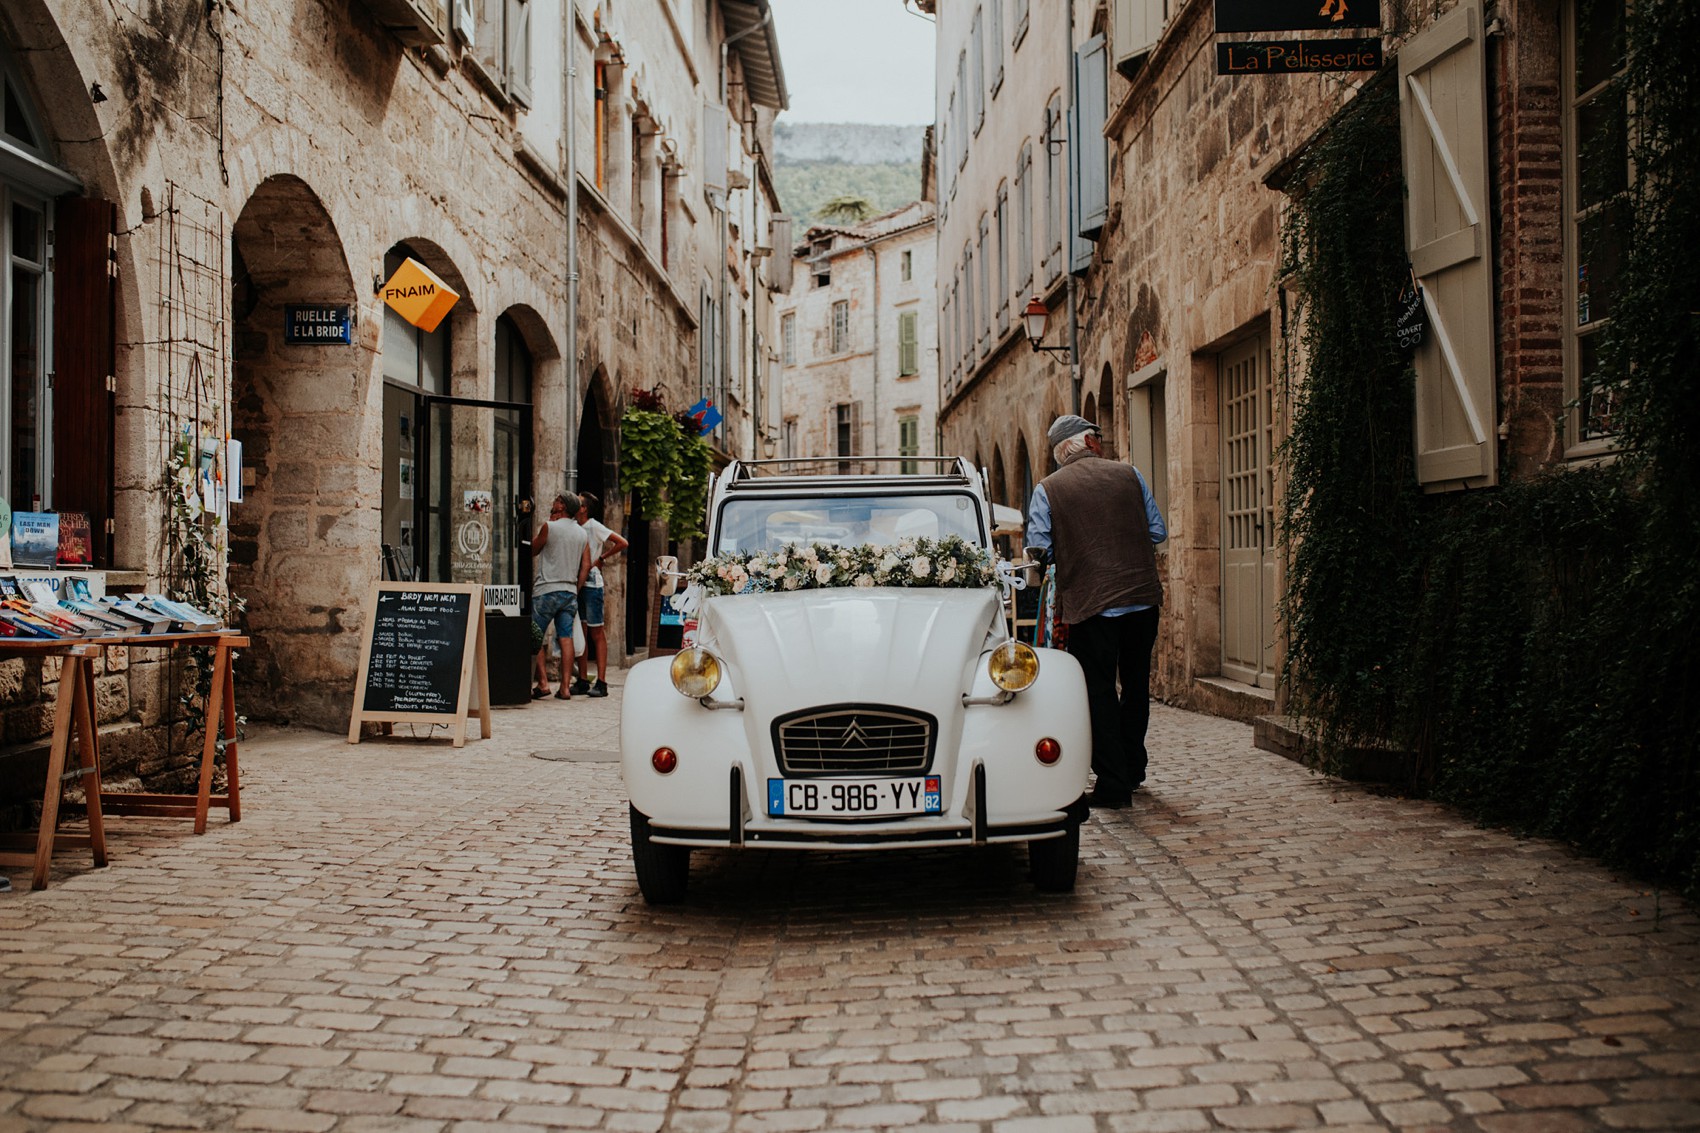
[74, 722]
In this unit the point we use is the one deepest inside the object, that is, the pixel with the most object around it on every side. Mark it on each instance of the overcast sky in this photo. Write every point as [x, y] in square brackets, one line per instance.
[855, 61]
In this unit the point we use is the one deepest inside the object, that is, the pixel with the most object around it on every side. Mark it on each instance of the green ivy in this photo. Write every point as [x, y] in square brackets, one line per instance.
[667, 467]
[1535, 645]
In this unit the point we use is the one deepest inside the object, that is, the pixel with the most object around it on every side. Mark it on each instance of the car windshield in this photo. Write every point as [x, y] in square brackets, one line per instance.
[767, 523]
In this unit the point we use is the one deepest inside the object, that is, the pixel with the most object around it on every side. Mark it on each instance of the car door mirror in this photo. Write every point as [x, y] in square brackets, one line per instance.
[667, 572]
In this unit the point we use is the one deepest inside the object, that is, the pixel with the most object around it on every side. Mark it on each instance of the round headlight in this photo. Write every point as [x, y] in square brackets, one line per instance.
[1013, 666]
[696, 672]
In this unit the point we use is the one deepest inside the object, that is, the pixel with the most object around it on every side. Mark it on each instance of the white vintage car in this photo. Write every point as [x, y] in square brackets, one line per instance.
[852, 684]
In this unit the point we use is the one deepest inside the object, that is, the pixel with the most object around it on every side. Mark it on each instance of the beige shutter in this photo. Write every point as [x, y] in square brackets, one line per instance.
[1443, 123]
[519, 51]
[1135, 28]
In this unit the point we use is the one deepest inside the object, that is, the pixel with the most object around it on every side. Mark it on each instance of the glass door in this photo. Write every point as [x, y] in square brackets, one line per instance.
[474, 491]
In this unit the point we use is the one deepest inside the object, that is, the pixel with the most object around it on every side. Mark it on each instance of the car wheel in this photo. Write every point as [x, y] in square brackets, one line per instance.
[663, 871]
[1054, 861]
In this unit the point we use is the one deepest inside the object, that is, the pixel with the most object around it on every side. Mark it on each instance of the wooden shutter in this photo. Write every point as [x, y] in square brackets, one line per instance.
[1443, 124]
[1090, 154]
[907, 344]
[83, 295]
[519, 51]
[1136, 26]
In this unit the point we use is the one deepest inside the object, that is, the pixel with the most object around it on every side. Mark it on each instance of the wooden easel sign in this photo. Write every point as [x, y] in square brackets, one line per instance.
[423, 646]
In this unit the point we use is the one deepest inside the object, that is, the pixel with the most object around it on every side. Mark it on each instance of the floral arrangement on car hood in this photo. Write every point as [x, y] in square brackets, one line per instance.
[948, 562]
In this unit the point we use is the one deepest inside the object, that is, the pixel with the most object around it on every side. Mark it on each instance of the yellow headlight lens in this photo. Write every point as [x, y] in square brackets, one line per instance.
[696, 672]
[1013, 666]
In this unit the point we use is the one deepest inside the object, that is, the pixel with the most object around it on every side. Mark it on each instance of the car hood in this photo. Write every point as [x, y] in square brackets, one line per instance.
[884, 645]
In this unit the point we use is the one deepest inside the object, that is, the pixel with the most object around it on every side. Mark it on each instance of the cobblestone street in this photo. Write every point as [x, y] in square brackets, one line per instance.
[402, 936]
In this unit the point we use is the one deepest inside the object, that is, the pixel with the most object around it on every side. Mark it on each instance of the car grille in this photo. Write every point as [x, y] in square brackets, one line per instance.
[854, 740]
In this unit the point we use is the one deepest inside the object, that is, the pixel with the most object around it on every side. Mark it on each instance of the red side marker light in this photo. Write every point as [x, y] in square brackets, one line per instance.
[1047, 751]
[664, 760]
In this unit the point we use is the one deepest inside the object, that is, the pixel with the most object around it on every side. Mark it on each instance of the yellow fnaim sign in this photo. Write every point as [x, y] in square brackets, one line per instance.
[416, 294]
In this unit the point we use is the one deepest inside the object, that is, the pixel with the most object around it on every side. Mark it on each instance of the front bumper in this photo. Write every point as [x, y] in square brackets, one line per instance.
[971, 828]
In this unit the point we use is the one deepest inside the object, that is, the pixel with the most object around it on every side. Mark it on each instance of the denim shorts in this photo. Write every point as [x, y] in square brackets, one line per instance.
[591, 599]
[560, 607]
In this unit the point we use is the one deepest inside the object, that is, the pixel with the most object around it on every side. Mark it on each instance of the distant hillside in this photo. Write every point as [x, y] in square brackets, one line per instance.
[817, 161]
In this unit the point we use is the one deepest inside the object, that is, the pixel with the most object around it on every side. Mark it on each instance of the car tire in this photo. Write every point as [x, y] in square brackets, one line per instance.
[1055, 861]
[663, 871]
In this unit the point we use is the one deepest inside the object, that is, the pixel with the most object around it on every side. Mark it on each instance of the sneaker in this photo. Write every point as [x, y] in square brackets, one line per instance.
[580, 686]
[600, 688]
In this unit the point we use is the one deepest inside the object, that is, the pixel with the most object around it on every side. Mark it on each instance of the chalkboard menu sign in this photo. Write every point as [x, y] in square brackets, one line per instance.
[423, 647]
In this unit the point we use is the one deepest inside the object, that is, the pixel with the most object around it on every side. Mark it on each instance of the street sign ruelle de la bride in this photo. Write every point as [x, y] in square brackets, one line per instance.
[317, 324]
[1296, 15]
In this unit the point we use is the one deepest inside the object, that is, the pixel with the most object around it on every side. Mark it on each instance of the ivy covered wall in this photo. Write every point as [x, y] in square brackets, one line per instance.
[1536, 645]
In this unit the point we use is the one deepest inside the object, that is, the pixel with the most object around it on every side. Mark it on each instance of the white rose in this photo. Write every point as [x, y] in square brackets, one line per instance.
[920, 566]
[823, 574]
[890, 562]
[864, 580]
[791, 583]
[949, 571]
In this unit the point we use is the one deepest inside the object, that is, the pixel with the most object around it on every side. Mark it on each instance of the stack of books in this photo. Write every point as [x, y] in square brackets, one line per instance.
[33, 610]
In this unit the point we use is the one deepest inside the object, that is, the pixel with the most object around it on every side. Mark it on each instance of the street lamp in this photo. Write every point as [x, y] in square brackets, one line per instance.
[1035, 317]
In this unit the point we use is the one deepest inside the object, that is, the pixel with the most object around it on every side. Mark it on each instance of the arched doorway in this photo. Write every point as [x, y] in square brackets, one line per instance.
[1107, 409]
[306, 505]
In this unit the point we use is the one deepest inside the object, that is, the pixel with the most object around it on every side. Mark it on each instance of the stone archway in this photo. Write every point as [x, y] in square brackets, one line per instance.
[304, 540]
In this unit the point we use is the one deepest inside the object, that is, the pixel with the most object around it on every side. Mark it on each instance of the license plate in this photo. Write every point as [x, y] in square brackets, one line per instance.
[853, 798]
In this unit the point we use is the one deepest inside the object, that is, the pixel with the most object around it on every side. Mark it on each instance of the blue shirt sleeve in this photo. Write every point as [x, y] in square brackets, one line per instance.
[1037, 533]
[1153, 517]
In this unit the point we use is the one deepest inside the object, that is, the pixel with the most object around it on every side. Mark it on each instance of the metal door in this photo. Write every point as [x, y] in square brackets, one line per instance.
[1248, 515]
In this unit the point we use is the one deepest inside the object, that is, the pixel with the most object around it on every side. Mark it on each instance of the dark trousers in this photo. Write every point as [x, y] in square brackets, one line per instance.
[1108, 648]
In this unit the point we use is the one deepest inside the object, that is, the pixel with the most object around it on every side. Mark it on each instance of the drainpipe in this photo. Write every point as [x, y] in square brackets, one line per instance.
[874, 255]
[1068, 236]
[725, 281]
[569, 76]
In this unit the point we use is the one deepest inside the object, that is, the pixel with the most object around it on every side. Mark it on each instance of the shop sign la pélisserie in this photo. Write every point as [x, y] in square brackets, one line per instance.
[1296, 56]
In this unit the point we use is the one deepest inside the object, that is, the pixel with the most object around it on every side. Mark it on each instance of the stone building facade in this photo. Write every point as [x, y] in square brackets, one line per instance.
[857, 369]
[205, 169]
[1174, 242]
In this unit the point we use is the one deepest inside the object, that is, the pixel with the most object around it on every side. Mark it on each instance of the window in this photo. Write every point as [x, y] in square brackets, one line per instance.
[788, 337]
[997, 44]
[985, 283]
[1020, 32]
[1148, 448]
[1002, 235]
[1053, 188]
[977, 42]
[1024, 218]
[962, 108]
[969, 322]
[907, 266]
[841, 326]
[1596, 183]
[909, 440]
[25, 409]
[846, 429]
[790, 436]
[411, 356]
[502, 46]
[709, 335]
[908, 344]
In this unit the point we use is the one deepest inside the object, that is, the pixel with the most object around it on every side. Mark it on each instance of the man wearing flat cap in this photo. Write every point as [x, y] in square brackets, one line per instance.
[1096, 519]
